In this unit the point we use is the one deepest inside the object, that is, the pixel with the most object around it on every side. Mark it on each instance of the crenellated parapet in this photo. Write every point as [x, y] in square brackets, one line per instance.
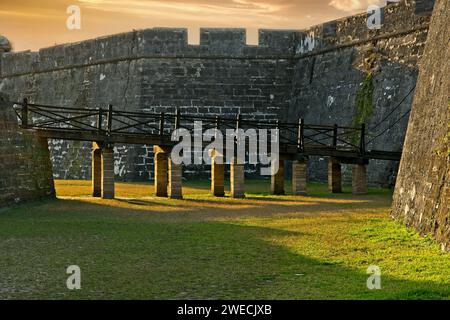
[151, 43]
[396, 18]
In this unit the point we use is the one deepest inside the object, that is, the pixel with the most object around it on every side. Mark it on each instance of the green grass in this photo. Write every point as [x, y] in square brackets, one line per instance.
[262, 247]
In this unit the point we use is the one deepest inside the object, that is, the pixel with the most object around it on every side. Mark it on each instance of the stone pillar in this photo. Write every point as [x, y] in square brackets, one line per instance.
[299, 174]
[334, 176]
[237, 180]
[107, 173]
[277, 180]
[217, 175]
[96, 170]
[161, 168]
[359, 182]
[175, 180]
[44, 152]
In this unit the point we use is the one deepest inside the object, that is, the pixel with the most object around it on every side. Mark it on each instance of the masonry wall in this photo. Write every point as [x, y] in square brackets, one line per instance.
[286, 76]
[25, 168]
[332, 68]
[422, 194]
[154, 70]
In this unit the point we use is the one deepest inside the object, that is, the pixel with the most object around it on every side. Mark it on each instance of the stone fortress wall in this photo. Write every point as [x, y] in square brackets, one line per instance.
[315, 74]
[422, 193]
[328, 79]
[26, 171]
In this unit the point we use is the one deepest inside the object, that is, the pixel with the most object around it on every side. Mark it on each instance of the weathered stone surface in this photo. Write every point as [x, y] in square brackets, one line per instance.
[237, 180]
[334, 176]
[161, 171]
[108, 185]
[25, 168]
[299, 177]
[326, 80]
[175, 175]
[96, 170]
[217, 175]
[422, 194]
[359, 181]
[277, 180]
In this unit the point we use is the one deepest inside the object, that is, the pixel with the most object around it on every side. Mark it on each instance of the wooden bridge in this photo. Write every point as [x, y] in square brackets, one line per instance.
[106, 127]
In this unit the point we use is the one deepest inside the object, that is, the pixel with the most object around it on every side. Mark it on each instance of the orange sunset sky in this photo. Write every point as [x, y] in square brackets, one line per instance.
[34, 24]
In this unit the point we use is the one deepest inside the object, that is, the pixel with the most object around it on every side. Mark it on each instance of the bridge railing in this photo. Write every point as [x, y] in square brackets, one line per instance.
[334, 137]
[37, 116]
[134, 123]
[109, 121]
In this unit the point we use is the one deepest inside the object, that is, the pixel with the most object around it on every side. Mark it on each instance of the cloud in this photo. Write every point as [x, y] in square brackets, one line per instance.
[18, 14]
[239, 13]
[353, 5]
[210, 8]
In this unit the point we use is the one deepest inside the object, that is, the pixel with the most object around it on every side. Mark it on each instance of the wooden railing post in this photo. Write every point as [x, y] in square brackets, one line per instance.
[217, 124]
[335, 136]
[362, 145]
[100, 120]
[161, 124]
[277, 127]
[301, 135]
[25, 113]
[177, 119]
[110, 118]
[238, 121]
[236, 138]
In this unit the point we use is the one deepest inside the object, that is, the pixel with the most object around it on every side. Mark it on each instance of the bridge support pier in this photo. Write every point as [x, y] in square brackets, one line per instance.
[96, 170]
[277, 179]
[237, 180]
[217, 174]
[175, 180]
[161, 168]
[334, 176]
[107, 161]
[359, 180]
[44, 154]
[299, 174]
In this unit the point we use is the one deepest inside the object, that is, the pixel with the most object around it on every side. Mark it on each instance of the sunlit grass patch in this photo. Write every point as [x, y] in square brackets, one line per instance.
[263, 247]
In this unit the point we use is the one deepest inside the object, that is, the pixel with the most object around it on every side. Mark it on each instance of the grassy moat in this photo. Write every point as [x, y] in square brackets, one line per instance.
[262, 247]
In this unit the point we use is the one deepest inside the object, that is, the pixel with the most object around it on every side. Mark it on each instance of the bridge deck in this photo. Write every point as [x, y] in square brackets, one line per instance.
[286, 150]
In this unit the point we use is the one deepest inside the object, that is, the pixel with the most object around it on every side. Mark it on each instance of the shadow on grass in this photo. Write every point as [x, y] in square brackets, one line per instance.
[215, 208]
[145, 203]
[122, 257]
